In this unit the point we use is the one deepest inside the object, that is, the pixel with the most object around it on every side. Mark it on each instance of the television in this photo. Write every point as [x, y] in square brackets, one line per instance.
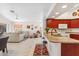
[62, 26]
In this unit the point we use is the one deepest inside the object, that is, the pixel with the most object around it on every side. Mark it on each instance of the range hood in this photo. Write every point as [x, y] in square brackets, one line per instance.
[62, 26]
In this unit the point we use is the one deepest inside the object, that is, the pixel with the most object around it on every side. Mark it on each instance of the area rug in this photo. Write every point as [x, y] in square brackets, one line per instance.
[40, 50]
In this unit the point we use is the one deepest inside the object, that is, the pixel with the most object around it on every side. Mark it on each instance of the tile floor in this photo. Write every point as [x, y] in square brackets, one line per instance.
[24, 48]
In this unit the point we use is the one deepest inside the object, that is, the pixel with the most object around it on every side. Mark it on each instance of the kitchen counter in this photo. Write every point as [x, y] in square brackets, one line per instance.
[73, 33]
[59, 39]
[63, 46]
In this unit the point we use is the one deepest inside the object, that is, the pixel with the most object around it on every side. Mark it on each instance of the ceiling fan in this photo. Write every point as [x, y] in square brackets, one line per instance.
[12, 11]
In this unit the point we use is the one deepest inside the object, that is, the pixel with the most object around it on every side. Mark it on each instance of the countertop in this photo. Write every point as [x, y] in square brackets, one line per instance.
[59, 39]
[77, 33]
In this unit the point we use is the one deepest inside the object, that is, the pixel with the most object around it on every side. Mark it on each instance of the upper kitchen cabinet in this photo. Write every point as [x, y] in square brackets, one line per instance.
[53, 23]
[75, 23]
[71, 23]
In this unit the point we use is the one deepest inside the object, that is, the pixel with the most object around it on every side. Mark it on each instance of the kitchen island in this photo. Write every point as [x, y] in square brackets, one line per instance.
[63, 46]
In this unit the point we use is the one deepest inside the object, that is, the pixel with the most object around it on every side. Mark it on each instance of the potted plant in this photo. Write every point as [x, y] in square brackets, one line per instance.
[47, 29]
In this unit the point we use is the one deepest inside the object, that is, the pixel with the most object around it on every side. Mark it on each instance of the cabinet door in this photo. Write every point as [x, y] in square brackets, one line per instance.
[55, 49]
[54, 23]
[75, 24]
[67, 49]
[76, 49]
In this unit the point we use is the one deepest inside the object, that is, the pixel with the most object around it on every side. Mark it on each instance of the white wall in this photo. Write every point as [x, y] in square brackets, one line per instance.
[38, 23]
[34, 23]
[9, 24]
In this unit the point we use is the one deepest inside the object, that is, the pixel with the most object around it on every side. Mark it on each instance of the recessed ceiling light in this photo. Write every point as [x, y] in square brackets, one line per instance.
[64, 6]
[57, 12]
[76, 5]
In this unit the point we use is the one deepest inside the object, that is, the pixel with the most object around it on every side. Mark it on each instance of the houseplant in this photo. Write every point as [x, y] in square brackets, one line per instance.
[47, 29]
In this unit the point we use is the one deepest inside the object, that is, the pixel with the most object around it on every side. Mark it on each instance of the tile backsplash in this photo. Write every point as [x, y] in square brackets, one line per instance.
[68, 30]
[75, 30]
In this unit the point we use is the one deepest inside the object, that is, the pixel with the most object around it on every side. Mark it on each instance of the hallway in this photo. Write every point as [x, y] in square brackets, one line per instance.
[24, 48]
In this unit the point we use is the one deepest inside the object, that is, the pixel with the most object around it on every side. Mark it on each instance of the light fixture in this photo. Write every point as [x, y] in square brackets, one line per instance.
[64, 6]
[76, 13]
[12, 11]
[57, 13]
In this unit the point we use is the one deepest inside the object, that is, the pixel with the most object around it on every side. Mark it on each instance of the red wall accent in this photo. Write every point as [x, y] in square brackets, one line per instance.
[53, 23]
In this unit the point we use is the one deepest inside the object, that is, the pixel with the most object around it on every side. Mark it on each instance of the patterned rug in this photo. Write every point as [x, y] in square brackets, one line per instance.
[40, 50]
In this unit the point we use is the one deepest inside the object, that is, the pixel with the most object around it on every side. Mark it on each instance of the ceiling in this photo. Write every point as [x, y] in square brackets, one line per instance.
[24, 11]
[61, 8]
[30, 12]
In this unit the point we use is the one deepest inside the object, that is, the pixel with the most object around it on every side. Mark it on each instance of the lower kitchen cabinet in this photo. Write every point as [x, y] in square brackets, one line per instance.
[69, 49]
[55, 49]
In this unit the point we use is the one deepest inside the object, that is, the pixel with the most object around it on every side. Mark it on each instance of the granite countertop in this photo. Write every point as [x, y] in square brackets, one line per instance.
[73, 33]
[59, 39]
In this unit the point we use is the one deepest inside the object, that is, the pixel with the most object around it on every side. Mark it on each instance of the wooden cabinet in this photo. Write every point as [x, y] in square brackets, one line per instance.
[69, 49]
[74, 36]
[52, 24]
[55, 23]
[76, 50]
[72, 23]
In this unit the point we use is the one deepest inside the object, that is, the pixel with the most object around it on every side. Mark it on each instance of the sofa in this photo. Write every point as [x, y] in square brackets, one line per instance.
[15, 37]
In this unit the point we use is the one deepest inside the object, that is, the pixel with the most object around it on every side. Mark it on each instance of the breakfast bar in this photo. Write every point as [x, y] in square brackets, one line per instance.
[67, 46]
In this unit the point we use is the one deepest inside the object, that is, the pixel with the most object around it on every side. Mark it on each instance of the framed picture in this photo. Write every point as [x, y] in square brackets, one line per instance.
[35, 27]
[28, 26]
